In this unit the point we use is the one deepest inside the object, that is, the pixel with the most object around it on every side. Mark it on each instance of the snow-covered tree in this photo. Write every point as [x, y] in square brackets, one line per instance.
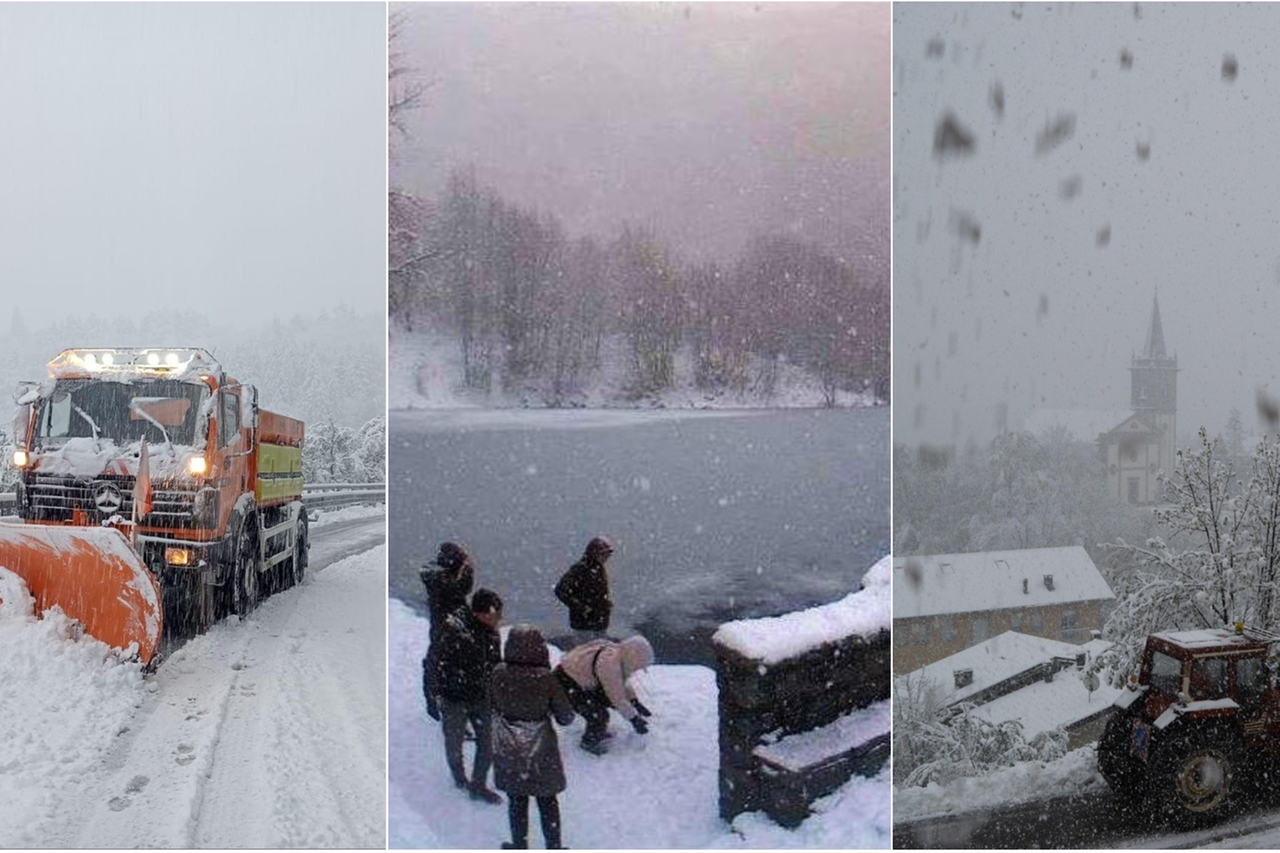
[1233, 435]
[1219, 559]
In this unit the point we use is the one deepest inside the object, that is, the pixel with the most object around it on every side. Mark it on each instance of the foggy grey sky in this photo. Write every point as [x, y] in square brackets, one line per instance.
[1198, 219]
[169, 155]
[708, 122]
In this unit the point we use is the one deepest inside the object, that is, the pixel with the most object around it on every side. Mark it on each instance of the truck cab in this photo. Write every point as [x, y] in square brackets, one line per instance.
[225, 478]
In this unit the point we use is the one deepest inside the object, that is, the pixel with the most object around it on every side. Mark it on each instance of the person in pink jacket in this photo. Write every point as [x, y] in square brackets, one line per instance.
[594, 676]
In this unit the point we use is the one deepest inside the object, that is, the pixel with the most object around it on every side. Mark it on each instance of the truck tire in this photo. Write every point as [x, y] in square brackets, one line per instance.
[1194, 775]
[1124, 774]
[246, 575]
[297, 564]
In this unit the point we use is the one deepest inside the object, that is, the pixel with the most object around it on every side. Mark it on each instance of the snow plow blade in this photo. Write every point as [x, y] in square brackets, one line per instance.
[93, 575]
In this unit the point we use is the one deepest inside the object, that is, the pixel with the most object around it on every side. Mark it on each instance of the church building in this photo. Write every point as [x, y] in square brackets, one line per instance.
[1142, 445]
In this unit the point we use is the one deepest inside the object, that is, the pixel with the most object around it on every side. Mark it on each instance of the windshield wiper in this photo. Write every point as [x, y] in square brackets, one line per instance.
[155, 423]
[97, 443]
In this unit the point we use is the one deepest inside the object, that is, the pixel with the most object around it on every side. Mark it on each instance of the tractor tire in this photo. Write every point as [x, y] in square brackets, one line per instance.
[1125, 775]
[246, 577]
[1195, 775]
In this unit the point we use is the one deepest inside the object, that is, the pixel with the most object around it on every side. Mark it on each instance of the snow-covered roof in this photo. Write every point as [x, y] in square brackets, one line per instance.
[941, 584]
[1045, 705]
[992, 661]
[1205, 638]
[1080, 424]
[776, 638]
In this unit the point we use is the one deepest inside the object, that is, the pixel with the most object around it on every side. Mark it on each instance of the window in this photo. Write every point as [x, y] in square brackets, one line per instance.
[981, 629]
[900, 636]
[230, 418]
[946, 630]
[1015, 620]
[1251, 680]
[920, 632]
[1070, 620]
[963, 677]
[1035, 622]
[1166, 673]
[1133, 490]
[1209, 678]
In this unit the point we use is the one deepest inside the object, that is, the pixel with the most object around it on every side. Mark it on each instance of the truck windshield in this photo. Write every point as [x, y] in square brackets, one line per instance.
[121, 412]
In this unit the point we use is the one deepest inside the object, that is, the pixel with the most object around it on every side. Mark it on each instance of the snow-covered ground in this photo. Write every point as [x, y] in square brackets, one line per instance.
[657, 790]
[265, 733]
[426, 368]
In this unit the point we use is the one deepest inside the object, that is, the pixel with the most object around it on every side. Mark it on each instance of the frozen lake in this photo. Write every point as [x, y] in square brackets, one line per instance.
[715, 515]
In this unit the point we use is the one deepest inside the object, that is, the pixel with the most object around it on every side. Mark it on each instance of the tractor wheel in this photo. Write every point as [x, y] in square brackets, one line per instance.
[246, 568]
[1195, 775]
[1123, 773]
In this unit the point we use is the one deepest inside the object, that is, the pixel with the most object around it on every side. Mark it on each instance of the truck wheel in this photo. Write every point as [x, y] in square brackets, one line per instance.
[1195, 775]
[297, 564]
[246, 568]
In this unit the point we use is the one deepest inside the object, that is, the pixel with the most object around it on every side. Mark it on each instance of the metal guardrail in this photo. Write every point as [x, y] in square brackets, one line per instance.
[314, 495]
[337, 495]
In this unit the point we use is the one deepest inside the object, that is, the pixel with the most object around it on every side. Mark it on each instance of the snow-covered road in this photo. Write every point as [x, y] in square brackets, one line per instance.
[265, 733]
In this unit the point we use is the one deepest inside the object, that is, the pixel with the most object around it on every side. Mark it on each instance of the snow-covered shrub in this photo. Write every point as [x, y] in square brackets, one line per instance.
[932, 744]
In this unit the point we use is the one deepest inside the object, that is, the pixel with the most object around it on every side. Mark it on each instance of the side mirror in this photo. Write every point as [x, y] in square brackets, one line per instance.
[25, 396]
[249, 406]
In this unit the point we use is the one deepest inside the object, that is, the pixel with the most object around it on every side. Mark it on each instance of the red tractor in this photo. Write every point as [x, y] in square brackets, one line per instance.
[1200, 718]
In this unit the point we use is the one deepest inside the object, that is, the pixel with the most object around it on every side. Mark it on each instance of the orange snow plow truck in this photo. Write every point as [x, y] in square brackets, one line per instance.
[154, 496]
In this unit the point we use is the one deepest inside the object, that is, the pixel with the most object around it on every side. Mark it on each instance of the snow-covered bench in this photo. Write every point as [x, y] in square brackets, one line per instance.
[800, 768]
[797, 694]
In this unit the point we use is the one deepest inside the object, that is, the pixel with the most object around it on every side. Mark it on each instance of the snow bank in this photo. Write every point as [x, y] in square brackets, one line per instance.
[425, 371]
[1074, 773]
[654, 791]
[777, 638]
[64, 702]
[349, 513]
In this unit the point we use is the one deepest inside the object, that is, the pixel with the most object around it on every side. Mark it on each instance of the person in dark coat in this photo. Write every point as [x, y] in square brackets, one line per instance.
[448, 581]
[469, 649]
[584, 589]
[525, 698]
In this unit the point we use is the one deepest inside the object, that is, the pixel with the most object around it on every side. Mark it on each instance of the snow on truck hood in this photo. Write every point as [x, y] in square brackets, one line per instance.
[87, 457]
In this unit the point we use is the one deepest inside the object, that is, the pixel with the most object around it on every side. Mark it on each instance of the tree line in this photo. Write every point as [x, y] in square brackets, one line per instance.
[532, 306]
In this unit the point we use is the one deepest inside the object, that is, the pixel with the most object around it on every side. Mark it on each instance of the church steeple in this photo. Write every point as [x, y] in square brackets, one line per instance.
[1155, 372]
[1155, 332]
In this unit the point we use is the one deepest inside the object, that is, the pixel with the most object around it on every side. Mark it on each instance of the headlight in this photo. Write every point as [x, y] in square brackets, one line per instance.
[198, 465]
[179, 556]
[20, 459]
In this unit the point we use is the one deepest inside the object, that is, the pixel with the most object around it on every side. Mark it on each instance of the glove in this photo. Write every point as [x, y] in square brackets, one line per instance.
[638, 723]
[433, 709]
[640, 708]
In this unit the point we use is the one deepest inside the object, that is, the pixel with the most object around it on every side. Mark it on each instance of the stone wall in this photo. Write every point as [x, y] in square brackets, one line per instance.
[759, 703]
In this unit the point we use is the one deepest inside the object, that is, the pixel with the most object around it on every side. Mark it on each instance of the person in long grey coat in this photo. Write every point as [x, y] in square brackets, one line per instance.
[525, 698]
